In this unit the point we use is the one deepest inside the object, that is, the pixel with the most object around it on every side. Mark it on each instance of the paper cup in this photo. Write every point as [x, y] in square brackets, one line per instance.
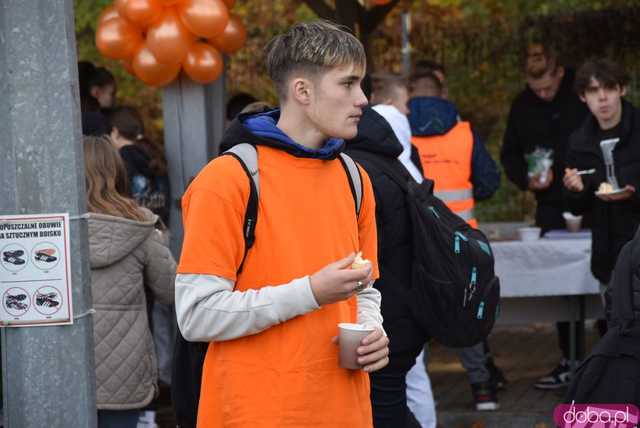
[529, 233]
[349, 339]
[574, 222]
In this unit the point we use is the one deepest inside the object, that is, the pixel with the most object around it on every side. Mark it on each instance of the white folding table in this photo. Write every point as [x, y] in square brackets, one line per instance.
[547, 280]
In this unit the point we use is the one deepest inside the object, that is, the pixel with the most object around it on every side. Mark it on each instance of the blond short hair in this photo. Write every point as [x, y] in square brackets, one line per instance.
[386, 86]
[311, 47]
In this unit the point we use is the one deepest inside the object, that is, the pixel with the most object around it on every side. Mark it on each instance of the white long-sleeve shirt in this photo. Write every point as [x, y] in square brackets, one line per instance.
[208, 309]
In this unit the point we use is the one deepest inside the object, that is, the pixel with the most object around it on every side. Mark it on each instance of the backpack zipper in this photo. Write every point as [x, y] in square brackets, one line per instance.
[472, 284]
[456, 241]
[480, 314]
[471, 289]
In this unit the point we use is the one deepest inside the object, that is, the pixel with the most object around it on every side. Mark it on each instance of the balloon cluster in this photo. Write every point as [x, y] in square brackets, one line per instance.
[155, 39]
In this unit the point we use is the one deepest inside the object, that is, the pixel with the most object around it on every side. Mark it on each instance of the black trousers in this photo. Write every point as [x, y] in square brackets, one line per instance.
[389, 401]
[388, 386]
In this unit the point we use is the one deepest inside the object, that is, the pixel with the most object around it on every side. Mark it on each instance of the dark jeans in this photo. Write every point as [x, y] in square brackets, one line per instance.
[564, 336]
[118, 418]
[389, 401]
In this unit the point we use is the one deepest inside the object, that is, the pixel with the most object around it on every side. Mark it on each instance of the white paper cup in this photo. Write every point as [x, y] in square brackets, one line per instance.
[529, 233]
[349, 339]
[574, 222]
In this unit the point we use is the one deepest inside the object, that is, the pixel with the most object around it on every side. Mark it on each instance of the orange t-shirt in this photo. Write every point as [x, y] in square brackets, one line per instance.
[288, 375]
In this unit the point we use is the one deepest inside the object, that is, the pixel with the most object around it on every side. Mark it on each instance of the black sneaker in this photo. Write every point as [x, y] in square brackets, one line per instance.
[484, 396]
[496, 377]
[13, 259]
[558, 378]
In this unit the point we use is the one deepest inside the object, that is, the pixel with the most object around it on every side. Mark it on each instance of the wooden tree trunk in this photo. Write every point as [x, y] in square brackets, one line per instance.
[353, 15]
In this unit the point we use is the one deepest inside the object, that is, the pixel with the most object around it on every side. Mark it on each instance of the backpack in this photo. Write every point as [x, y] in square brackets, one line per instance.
[611, 373]
[189, 356]
[454, 290]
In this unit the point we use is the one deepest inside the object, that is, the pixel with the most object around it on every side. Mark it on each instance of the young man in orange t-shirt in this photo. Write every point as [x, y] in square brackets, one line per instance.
[272, 360]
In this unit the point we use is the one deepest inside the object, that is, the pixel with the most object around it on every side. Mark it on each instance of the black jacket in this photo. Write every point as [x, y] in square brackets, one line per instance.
[376, 138]
[611, 373]
[533, 122]
[614, 223]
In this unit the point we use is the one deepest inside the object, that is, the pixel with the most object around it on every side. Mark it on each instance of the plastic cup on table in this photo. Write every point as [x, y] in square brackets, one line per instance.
[574, 222]
[529, 233]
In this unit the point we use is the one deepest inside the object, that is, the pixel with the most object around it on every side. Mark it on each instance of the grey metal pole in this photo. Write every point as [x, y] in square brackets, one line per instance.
[194, 117]
[47, 372]
[406, 44]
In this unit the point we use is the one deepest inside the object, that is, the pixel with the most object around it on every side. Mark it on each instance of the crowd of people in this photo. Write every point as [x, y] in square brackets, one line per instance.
[268, 310]
[132, 269]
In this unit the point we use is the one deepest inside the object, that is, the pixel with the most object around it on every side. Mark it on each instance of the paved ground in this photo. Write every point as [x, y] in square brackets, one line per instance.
[525, 354]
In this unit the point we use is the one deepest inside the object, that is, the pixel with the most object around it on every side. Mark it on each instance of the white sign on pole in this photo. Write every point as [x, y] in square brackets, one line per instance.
[35, 274]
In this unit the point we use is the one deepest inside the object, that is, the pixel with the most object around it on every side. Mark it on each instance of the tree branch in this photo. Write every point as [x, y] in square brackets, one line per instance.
[375, 16]
[320, 8]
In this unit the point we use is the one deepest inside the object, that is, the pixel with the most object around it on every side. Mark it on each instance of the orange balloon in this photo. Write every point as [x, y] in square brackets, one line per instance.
[229, 3]
[143, 12]
[118, 39]
[169, 2]
[205, 18]
[232, 38]
[169, 39]
[203, 63]
[121, 6]
[107, 14]
[151, 71]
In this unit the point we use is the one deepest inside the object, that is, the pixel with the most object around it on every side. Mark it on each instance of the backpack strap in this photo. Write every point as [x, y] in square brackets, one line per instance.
[392, 169]
[355, 180]
[247, 155]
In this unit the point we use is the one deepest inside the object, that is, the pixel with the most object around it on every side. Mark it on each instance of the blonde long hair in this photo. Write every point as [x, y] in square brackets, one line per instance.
[106, 180]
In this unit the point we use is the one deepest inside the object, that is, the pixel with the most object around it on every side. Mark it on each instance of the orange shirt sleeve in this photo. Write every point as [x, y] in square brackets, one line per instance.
[367, 232]
[213, 211]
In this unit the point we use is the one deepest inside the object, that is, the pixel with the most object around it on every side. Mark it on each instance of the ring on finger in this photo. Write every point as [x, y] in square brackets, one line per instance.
[360, 286]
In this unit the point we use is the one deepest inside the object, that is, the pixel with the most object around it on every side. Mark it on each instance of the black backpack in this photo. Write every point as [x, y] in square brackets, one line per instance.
[454, 288]
[188, 357]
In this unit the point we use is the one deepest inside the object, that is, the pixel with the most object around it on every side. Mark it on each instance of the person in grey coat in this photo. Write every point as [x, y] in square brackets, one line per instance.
[127, 254]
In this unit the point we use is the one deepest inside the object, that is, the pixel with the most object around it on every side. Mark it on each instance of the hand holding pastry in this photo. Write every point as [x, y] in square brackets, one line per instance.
[339, 280]
[359, 262]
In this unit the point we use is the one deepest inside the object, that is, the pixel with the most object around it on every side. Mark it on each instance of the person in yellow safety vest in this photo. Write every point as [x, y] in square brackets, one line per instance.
[450, 153]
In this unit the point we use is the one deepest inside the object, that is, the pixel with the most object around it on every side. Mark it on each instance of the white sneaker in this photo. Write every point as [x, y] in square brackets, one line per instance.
[147, 419]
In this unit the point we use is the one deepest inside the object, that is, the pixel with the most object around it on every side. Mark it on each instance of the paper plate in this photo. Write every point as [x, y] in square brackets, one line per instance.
[615, 192]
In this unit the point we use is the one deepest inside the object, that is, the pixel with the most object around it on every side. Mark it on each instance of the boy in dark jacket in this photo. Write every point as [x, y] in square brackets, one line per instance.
[443, 140]
[377, 140]
[542, 117]
[613, 123]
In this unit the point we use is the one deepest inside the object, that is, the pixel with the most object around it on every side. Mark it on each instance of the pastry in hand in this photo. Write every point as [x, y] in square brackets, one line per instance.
[359, 262]
[605, 187]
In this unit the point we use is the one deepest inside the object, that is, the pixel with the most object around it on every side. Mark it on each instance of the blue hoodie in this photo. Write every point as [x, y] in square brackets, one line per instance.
[263, 125]
[431, 116]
